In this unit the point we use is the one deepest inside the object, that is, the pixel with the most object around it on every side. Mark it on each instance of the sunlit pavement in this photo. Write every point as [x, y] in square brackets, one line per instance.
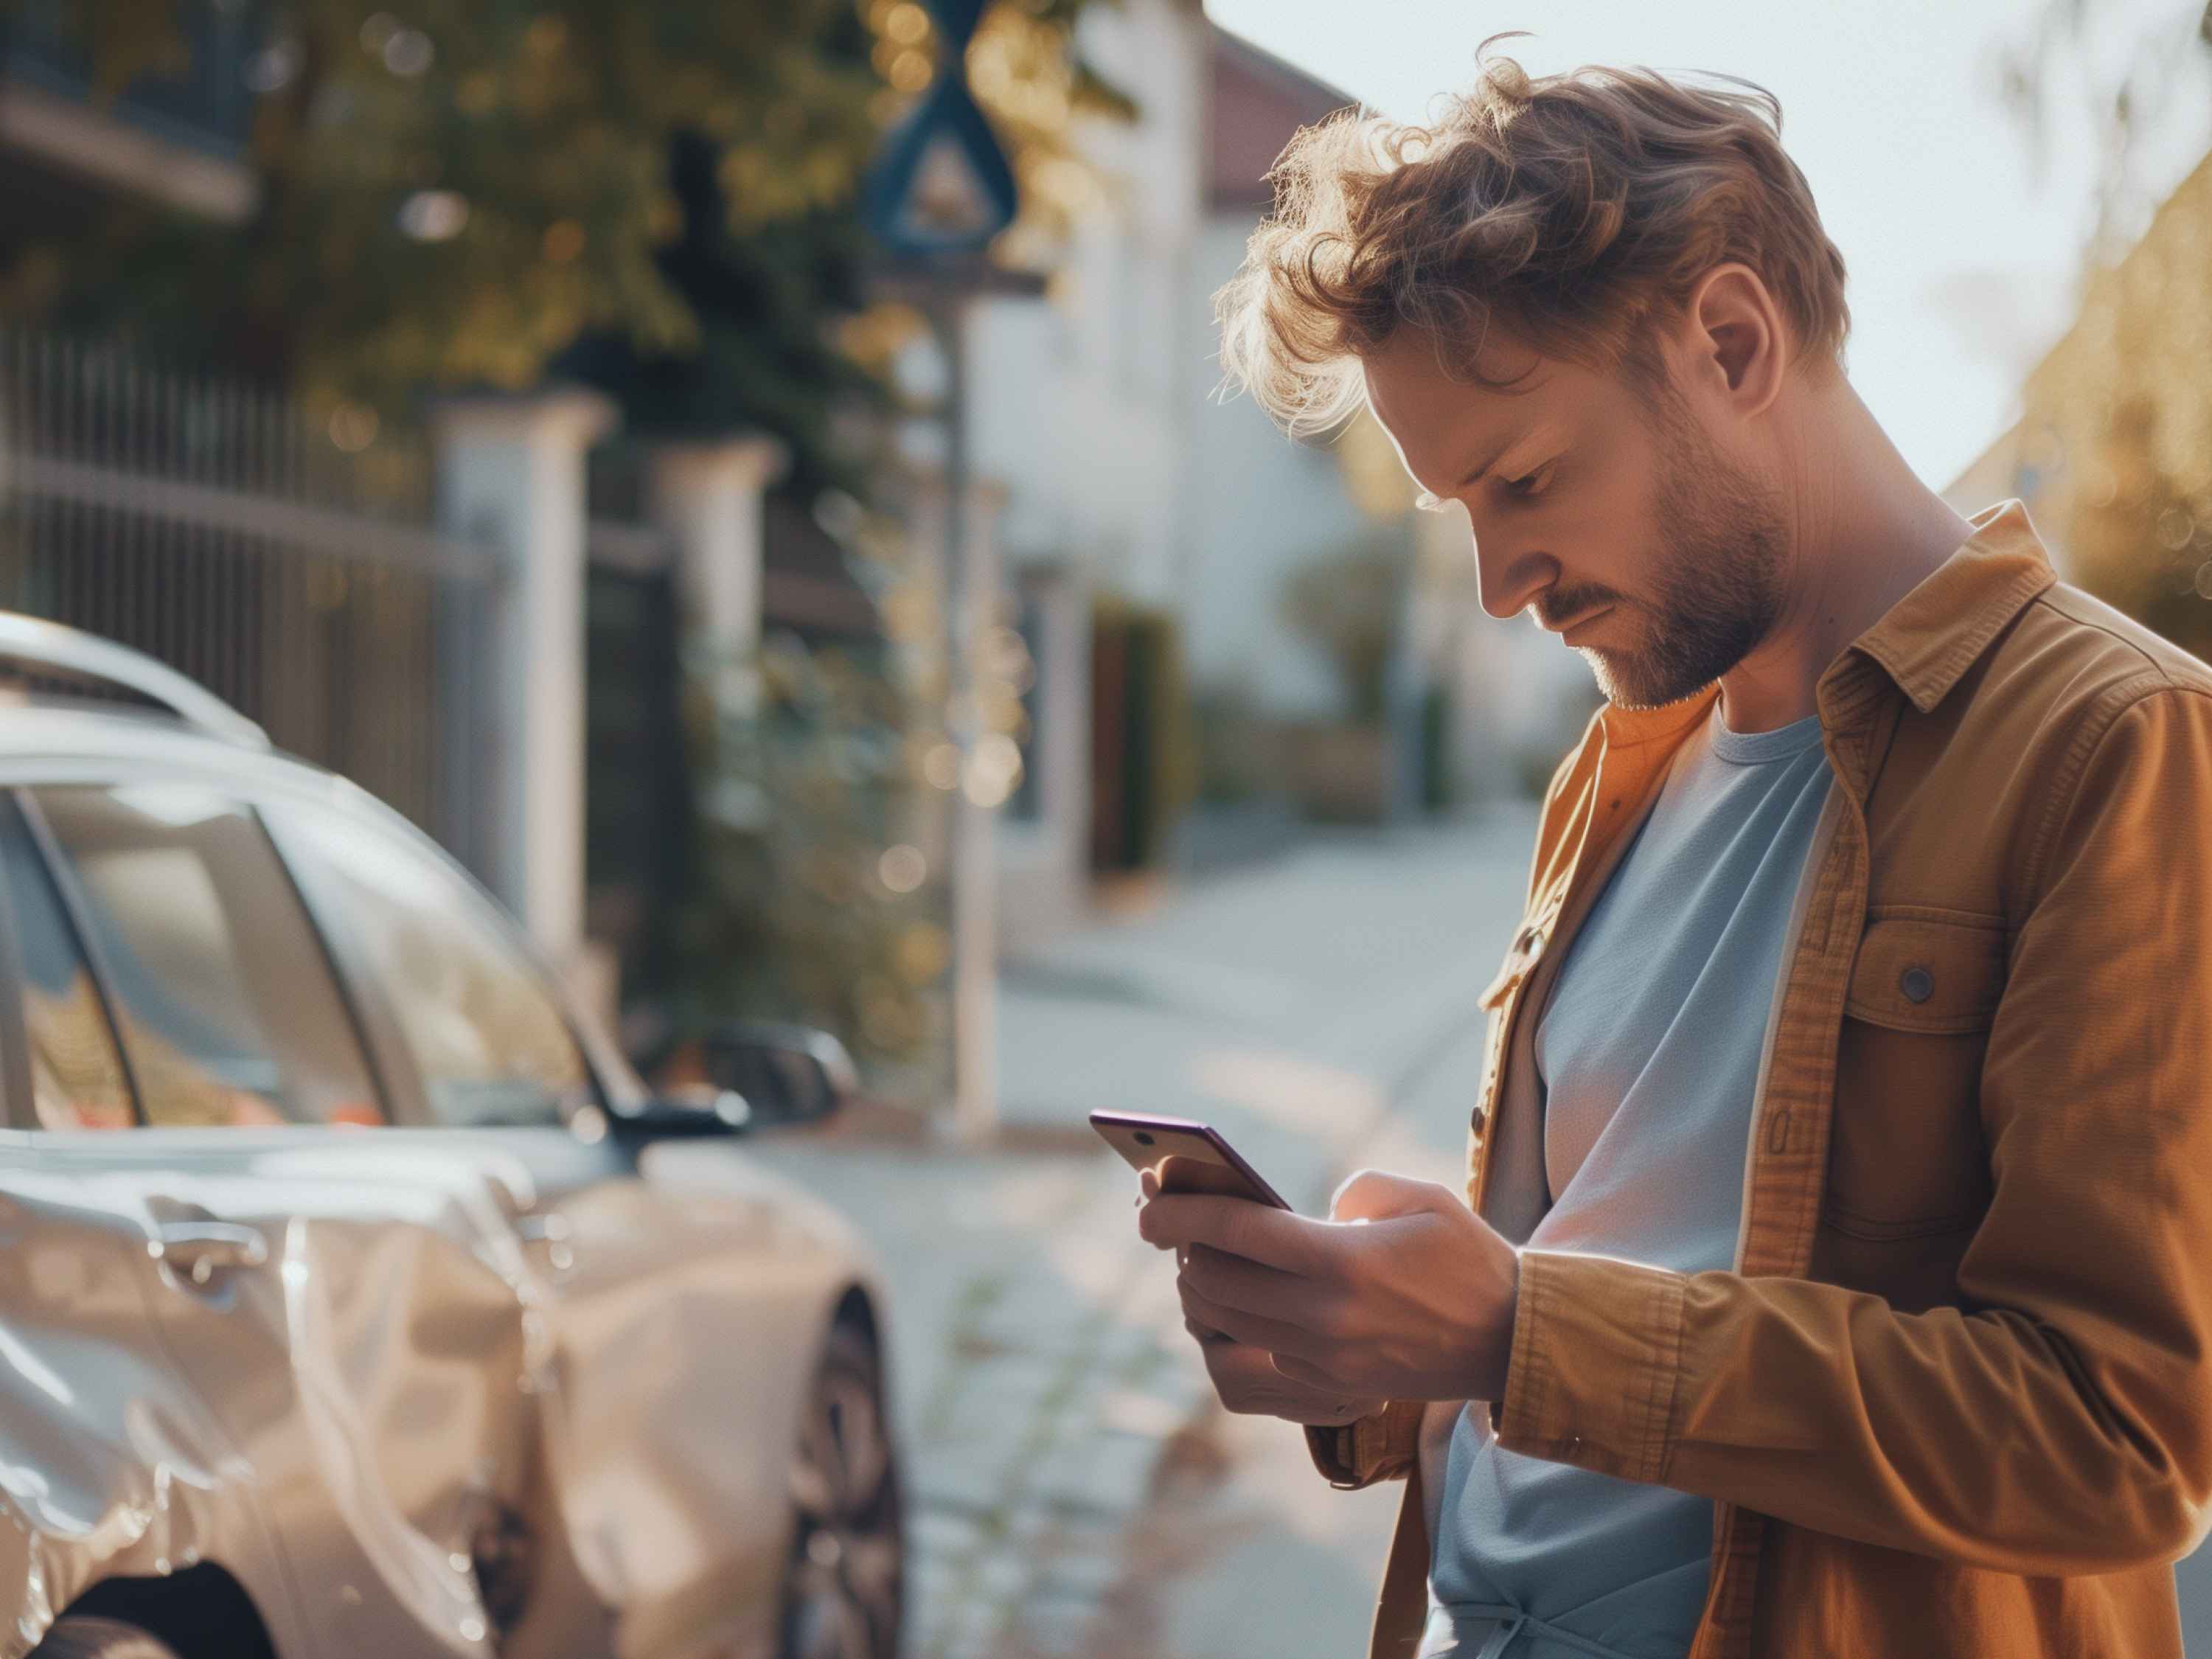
[1074, 1488]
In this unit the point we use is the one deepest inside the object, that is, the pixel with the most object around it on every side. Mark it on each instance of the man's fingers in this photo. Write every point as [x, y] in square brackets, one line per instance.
[1203, 1332]
[1306, 1374]
[1377, 1195]
[1258, 1232]
[1247, 1284]
[1248, 1383]
[1255, 1330]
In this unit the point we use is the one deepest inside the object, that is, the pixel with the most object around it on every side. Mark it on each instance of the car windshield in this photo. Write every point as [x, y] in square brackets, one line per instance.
[488, 1039]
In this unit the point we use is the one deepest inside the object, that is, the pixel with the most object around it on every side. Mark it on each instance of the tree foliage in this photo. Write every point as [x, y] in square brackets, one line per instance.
[2115, 432]
[2074, 61]
[469, 192]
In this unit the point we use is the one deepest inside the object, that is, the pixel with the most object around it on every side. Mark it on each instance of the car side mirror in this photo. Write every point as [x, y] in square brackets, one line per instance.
[788, 1073]
[689, 1111]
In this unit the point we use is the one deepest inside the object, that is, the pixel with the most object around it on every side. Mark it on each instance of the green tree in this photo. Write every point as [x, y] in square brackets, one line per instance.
[2071, 62]
[1348, 605]
[2138, 542]
[2116, 411]
[472, 193]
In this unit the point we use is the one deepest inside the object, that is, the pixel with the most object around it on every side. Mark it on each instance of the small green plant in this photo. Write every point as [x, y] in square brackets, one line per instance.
[810, 902]
[1348, 604]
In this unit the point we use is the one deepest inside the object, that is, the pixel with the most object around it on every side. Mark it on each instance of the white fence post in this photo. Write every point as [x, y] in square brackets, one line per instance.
[975, 837]
[706, 497]
[965, 831]
[510, 472]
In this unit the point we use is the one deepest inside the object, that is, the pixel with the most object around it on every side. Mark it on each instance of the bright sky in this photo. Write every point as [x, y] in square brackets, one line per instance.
[1962, 267]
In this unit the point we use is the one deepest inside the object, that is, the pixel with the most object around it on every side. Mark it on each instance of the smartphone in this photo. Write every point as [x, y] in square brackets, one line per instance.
[1190, 1158]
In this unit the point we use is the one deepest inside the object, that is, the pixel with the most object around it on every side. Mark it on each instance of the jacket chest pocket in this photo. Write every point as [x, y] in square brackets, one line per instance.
[1906, 1155]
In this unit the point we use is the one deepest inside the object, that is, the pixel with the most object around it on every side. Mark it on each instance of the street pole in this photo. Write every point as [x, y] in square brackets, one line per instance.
[940, 189]
[968, 607]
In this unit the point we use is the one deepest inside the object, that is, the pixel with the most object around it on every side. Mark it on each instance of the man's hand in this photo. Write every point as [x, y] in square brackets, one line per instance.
[1246, 1381]
[1404, 1293]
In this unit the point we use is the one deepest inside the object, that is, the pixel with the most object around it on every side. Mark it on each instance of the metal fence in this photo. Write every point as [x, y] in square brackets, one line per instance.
[637, 801]
[285, 560]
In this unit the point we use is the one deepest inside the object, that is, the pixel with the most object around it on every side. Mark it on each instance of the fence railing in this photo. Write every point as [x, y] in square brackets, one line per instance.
[285, 562]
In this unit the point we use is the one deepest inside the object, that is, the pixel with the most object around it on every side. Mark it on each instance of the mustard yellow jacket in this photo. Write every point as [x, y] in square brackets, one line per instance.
[1955, 1396]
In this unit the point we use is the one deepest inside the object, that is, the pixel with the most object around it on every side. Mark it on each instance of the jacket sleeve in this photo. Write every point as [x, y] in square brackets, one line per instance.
[1382, 1447]
[2055, 1423]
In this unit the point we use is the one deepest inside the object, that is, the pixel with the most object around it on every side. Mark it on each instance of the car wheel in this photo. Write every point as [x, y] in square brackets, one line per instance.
[75, 1638]
[845, 1587]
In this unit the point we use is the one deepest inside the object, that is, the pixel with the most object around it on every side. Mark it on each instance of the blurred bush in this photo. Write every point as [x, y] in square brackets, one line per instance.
[1238, 746]
[2114, 447]
[1349, 605]
[1144, 747]
[2115, 454]
[808, 901]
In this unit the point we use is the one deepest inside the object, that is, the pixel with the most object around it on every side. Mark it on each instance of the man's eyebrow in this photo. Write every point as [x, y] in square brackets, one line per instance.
[1427, 502]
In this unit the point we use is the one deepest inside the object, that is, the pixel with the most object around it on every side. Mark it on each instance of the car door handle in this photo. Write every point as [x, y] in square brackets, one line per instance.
[198, 1250]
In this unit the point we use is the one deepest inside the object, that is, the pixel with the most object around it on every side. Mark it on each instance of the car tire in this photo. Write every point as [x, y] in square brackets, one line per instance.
[73, 1636]
[845, 1583]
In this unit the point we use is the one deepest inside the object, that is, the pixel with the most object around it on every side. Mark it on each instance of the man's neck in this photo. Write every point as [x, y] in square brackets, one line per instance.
[1865, 531]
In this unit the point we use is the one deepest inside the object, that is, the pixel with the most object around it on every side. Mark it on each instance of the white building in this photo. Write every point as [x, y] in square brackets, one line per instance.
[1124, 478]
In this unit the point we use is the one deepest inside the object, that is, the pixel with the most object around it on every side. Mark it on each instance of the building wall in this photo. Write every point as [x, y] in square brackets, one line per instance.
[1260, 507]
[1094, 405]
[2121, 407]
[1076, 401]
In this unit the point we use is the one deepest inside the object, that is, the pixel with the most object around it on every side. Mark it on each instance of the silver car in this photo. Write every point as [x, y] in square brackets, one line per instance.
[357, 1301]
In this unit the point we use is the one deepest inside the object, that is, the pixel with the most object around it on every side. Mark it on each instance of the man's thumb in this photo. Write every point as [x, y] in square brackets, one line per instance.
[1374, 1195]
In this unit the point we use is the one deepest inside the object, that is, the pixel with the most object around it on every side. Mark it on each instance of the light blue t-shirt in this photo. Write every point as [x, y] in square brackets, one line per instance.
[1649, 1048]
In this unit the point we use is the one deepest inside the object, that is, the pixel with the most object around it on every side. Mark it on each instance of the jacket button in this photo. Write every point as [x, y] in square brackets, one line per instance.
[1917, 984]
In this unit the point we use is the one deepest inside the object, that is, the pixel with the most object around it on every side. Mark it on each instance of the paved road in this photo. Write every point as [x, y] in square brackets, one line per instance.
[1075, 1490]
[1242, 1549]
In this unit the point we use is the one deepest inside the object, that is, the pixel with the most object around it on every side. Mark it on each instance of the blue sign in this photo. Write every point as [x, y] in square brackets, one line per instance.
[941, 184]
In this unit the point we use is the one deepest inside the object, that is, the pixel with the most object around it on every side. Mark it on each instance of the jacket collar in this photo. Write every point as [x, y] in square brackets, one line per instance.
[1924, 642]
[1929, 638]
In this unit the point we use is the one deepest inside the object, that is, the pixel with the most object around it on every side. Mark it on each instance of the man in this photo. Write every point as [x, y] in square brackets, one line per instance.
[1834, 1276]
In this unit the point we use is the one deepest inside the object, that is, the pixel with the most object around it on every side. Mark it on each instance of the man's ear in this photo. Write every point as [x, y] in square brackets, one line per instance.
[1734, 335]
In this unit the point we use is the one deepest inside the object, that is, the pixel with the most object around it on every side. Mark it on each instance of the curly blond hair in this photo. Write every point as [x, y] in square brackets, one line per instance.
[1572, 210]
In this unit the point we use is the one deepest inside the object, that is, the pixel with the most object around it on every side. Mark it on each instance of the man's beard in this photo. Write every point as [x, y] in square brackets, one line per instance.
[1718, 591]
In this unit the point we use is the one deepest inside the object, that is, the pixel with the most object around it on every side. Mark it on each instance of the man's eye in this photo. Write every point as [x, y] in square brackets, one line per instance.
[1527, 484]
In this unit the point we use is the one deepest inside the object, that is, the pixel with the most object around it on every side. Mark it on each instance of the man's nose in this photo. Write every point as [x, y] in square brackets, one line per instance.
[1508, 576]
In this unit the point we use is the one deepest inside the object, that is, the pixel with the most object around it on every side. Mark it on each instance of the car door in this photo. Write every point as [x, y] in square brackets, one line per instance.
[355, 1314]
[689, 1294]
[110, 1463]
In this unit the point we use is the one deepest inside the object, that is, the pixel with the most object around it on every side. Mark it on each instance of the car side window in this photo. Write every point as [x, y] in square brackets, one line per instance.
[488, 1038]
[76, 1072]
[227, 1007]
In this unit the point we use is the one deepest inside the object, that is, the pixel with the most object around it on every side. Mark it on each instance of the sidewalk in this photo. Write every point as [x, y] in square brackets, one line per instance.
[1042, 1370]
